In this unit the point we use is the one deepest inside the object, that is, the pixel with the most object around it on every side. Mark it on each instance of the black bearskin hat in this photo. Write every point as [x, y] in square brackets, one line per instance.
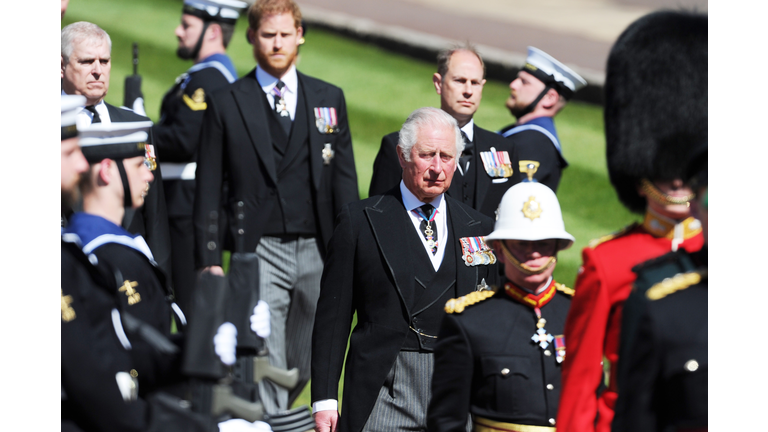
[655, 100]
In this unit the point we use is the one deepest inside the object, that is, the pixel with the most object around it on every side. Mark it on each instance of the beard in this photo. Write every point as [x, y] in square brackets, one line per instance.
[273, 66]
[184, 53]
[515, 109]
[68, 200]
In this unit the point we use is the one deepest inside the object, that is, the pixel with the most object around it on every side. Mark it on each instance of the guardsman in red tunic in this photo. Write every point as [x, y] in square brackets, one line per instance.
[648, 124]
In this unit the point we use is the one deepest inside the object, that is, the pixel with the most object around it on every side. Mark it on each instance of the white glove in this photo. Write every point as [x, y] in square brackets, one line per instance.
[225, 343]
[260, 319]
[240, 425]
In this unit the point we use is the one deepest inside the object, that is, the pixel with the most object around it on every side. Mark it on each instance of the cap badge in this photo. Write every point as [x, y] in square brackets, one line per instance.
[497, 163]
[326, 120]
[327, 154]
[133, 295]
[475, 251]
[531, 208]
[67, 312]
[529, 168]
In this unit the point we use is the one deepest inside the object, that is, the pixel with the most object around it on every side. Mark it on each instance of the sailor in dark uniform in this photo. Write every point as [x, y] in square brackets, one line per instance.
[540, 91]
[204, 33]
[119, 178]
[500, 360]
[663, 377]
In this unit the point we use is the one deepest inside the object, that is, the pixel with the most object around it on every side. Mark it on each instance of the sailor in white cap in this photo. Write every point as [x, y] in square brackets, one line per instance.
[73, 163]
[204, 33]
[540, 91]
[506, 344]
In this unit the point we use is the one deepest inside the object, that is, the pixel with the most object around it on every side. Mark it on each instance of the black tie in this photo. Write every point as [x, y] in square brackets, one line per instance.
[429, 228]
[281, 107]
[466, 155]
[96, 118]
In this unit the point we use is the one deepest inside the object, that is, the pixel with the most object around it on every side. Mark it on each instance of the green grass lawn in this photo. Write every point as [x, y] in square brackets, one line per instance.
[381, 89]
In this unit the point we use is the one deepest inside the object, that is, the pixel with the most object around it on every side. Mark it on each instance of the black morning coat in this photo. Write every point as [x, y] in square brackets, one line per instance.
[370, 271]
[236, 143]
[488, 191]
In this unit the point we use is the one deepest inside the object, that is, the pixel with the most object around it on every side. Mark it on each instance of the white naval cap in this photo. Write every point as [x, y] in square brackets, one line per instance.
[226, 11]
[71, 105]
[116, 140]
[550, 71]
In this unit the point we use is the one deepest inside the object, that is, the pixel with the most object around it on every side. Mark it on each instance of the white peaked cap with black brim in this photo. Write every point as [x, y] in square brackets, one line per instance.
[550, 71]
[117, 140]
[71, 105]
[225, 11]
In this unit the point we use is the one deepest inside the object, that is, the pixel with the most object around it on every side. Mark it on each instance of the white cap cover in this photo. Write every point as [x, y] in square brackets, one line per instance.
[70, 106]
[549, 70]
[530, 211]
[215, 9]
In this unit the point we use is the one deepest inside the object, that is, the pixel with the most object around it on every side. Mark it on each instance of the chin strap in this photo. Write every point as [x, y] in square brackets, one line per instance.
[652, 192]
[528, 270]
[533, 104]
[127, 197]
[199, 44]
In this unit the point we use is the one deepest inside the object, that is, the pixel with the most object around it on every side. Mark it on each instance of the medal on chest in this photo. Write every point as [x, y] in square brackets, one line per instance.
[282, 107]
[541, 337]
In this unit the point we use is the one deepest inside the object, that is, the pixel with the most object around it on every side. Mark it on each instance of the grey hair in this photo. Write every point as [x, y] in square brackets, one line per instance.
[78, 31]
[424, 117]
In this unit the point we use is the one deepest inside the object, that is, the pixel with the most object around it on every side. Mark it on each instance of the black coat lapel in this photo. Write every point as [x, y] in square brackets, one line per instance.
[314, 97]
[466, 277]
[386, 217]
[255, 120]
[482, 179]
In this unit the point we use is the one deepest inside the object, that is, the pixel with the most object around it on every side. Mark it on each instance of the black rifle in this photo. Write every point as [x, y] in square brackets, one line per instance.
[132, 90]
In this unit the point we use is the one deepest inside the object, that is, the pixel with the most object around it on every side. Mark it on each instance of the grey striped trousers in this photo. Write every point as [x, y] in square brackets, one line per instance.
[290, 269]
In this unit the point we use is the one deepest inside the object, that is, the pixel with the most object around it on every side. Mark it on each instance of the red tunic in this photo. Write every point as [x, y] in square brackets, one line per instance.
[594, 320]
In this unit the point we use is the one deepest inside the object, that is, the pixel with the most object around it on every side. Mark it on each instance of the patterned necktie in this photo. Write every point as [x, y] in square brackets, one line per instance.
[96, 118]
[466, 155]
[428, 228]
[281, 107]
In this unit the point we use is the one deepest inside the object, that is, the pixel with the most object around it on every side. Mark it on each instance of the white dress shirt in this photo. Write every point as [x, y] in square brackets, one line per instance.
[412, 203]
[290, 91]
[85, 117]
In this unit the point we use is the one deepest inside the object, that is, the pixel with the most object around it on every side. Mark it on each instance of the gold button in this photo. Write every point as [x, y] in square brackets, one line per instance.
[547, 353]
[505, 371]
[550, 387]
[691, 365]
[134, 373]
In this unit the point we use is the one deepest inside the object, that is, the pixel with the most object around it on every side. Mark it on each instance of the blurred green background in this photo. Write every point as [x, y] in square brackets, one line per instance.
[381, 89]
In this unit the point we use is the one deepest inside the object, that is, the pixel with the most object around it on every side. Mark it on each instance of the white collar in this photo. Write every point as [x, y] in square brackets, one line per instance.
[469, 129]
[267, 81]
[411, 202]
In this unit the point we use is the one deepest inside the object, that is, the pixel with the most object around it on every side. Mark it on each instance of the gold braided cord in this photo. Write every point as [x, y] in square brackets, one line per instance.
[660, 197]
[528, 270]
[676, 283]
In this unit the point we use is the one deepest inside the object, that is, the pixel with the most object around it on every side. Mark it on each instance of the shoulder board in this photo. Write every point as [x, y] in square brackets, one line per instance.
[596, 242]
[458, 305]
[564, 289]
[674, 284]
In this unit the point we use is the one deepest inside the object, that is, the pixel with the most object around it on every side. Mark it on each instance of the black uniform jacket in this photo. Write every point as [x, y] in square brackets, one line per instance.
[387, 172]
[535, 145]
[368, 271]
[91, 354]
[177, 134]
[151, 220]
[486, 364]
[664, 360]
[236, 144]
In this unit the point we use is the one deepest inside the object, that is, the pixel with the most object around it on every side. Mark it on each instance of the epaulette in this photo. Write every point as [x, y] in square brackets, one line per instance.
[457, 305]
[595, 242]
[564, 289]
[674, 284]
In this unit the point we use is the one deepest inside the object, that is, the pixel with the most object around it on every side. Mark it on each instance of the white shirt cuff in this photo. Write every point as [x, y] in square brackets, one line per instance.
[325, 405]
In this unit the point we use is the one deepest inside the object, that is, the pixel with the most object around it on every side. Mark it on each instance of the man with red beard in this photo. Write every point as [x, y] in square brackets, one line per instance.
[281, 141]
[655, 106]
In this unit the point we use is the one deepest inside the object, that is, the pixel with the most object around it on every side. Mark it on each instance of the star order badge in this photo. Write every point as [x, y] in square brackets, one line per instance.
[531, 208]
[327, 154]
[326, 120]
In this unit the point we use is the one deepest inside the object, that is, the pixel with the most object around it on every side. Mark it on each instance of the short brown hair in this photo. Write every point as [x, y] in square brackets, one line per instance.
[444, 56]
[261, 8]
